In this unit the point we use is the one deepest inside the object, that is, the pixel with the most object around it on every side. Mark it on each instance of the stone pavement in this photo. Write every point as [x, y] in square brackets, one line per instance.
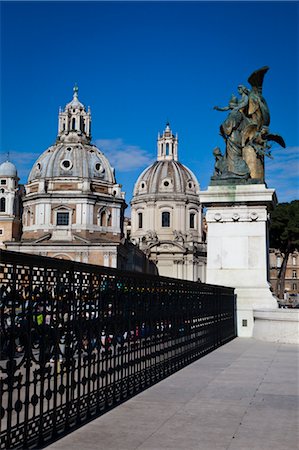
[242, 396]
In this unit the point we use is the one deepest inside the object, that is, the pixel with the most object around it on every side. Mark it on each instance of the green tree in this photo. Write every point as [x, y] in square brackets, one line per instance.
[284, 235]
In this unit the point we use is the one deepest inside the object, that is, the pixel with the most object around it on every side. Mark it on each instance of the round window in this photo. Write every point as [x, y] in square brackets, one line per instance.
[166, 183]
[98, 167]
[142, 185]
[69, 149]
[66, 164]
[38, 166]
[190, 185]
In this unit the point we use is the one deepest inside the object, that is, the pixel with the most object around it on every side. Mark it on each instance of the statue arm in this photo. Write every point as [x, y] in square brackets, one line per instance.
[225, 108]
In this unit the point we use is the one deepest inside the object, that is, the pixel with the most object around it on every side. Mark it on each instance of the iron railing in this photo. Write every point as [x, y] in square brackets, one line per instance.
[78, 339]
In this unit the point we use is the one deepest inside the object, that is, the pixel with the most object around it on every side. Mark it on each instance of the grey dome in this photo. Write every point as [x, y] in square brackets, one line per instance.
[72, 159]
[8, 169]
[166, 177]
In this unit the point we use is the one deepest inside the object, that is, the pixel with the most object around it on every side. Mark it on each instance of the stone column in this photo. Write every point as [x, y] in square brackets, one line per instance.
[237, 243]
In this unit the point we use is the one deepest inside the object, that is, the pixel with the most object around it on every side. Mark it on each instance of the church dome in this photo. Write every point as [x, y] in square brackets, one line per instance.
[73, 155]
[167, 175]
[78, 160]
[8, 169]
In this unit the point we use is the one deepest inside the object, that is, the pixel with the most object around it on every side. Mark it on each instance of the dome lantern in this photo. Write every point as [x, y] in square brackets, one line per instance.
[167, 145]
[74, 120]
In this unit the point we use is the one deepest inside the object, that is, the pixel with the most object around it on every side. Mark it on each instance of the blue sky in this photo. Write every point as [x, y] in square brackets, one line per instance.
[141, 64]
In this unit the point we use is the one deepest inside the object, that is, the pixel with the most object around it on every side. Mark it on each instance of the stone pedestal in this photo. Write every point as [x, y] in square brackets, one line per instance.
[237, 256]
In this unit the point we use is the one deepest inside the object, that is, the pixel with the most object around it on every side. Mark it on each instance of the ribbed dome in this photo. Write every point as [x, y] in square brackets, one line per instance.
[76, 160]
[73, 156]
[166, 177]
[8, 169]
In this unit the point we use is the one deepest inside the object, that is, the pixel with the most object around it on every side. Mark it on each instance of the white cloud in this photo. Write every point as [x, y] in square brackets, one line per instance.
[124, 157]
[282, 173]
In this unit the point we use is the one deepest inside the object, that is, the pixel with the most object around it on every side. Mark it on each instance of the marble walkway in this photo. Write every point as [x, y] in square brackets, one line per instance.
[243, 396]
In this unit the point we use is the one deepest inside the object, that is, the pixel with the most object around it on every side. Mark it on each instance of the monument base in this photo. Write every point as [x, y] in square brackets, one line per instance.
[237, 243]
[247, 300]
[277, 325]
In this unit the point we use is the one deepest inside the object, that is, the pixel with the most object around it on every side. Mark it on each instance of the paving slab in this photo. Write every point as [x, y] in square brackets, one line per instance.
[242, 396]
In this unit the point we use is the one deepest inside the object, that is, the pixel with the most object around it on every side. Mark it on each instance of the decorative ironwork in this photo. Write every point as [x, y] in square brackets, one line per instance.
[78, 339]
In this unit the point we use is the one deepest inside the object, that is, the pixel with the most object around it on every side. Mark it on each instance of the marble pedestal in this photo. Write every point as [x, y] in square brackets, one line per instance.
[237, 246]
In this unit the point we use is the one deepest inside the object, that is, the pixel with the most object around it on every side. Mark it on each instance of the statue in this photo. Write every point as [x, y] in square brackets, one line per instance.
[151, 236]
[178, 236]
[246, 134]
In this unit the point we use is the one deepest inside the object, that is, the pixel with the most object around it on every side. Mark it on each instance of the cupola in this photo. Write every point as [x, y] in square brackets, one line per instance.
[74, 120]
[167, 145]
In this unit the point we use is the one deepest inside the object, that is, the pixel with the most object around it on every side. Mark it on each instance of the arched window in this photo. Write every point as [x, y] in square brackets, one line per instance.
[109, 218]
[2, 204]
[73, 123]
[140, 218]
[167, 149]
[82, 125]
[103, 219]
[192, 220]
[165, 219]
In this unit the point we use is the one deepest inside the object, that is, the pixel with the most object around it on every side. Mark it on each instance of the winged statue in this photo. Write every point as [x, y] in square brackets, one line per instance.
[246, 134]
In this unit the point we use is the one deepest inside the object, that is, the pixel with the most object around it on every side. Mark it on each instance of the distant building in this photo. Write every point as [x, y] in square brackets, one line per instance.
[73, 207]
[166, 218]
[10, 203]
[292, 274]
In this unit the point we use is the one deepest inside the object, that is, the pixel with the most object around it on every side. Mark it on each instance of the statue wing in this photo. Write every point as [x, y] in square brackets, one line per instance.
[256, 79]
[276, 138]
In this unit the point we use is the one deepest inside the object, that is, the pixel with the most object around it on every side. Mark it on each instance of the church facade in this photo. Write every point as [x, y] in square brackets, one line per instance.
[73, 207]
[167, 222]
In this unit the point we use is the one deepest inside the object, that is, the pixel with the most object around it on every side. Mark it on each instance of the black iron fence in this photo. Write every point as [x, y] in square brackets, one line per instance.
[78, 339]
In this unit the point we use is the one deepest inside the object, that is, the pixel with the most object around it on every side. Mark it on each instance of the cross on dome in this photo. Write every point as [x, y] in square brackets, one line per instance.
[75, 90]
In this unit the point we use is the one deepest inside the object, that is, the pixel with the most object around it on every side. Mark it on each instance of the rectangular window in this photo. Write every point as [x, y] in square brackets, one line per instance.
[278, 261]
[294, 260]
[1, 231]
[63, 218]
[244, 323]
[192, 220]
[294, 287]
[3, 181]
[165, 219]
[140, 220]
[294, 274]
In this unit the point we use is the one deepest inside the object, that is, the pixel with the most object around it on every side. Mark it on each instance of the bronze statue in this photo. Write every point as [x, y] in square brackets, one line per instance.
[246, 134]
